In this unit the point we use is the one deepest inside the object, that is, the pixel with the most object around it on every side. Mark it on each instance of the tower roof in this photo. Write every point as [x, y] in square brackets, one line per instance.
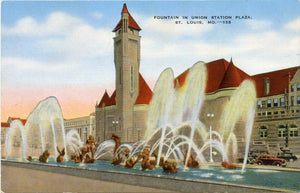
[233, 76]
[105, 100]
[132, 23]
[144, 97]
[125, 10]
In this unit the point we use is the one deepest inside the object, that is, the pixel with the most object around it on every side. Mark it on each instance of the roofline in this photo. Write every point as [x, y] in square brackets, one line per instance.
[276, 71]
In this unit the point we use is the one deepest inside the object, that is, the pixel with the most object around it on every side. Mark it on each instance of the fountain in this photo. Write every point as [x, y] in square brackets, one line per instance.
[171, 110]
[175, 134]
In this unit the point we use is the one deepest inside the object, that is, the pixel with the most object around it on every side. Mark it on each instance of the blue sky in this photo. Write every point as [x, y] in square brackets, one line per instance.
[67, 43]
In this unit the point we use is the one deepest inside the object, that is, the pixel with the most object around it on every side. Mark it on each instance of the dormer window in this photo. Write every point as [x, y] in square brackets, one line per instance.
[267, 86]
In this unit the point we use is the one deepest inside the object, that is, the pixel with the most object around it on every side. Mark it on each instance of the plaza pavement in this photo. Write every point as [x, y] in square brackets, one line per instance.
[23, 180]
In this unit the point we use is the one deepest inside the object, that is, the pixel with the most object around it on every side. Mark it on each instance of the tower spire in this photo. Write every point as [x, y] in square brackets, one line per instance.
[125, 10]
[131, 22]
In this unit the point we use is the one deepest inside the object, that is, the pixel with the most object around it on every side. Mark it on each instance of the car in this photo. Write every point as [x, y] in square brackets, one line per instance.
[286, 154]
[270, 160]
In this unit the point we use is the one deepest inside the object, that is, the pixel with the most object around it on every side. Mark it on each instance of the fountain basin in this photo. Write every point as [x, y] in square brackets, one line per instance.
[194, 180]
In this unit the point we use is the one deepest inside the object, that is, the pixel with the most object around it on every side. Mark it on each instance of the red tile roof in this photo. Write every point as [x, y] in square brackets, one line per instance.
[233, 77]
[131, 23]
[125, 10]
[220, 74]
[105, 100]
[16, 118]
[144, 97]
[145, 93]
[279, 81]
[4, 124]
[113, 99]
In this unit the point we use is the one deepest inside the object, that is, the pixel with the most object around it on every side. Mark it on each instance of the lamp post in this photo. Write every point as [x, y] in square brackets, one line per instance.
[115, 123]
[210, 115]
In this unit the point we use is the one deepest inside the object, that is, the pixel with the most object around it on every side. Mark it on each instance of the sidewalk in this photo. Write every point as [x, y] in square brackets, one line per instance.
[16, 179]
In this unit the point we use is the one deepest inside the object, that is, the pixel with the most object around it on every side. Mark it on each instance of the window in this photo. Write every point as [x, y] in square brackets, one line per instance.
[292, 100]
[293, 131]
[131, 79]
[298, 87]
[263, 132]
[282, 101]
[269, 103]
[259, 105]
[298, 100]
[275, 102]
[275, 112]
[292, 88]
[281, 131]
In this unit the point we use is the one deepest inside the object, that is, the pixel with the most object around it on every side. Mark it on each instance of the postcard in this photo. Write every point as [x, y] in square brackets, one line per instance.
[150, 96]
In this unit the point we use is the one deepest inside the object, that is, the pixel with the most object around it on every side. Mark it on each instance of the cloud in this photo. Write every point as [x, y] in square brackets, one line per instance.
[27, 64]
[83, 43]
[257, 49]
[164, 44]
[56, 42]
[57, 23]
[293, 25]
[258, 24]
[97, 15]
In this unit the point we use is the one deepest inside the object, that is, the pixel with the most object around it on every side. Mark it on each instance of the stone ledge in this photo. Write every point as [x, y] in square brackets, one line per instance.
[146, 180]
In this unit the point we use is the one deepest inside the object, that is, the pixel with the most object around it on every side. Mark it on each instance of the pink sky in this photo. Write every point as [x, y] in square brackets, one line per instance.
[75, 100]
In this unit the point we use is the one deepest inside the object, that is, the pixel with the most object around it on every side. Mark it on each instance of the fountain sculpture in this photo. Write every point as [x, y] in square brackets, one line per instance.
[173, 122]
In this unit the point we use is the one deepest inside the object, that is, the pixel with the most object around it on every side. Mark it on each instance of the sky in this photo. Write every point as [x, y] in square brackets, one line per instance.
[65, 48]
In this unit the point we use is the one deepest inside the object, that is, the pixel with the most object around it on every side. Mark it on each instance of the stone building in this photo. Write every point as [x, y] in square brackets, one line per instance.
[85, 126]
[125, 111]
[278, 111]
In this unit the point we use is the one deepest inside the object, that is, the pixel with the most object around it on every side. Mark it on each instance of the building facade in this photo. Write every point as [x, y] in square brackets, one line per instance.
[85, 126]
[277, 119]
